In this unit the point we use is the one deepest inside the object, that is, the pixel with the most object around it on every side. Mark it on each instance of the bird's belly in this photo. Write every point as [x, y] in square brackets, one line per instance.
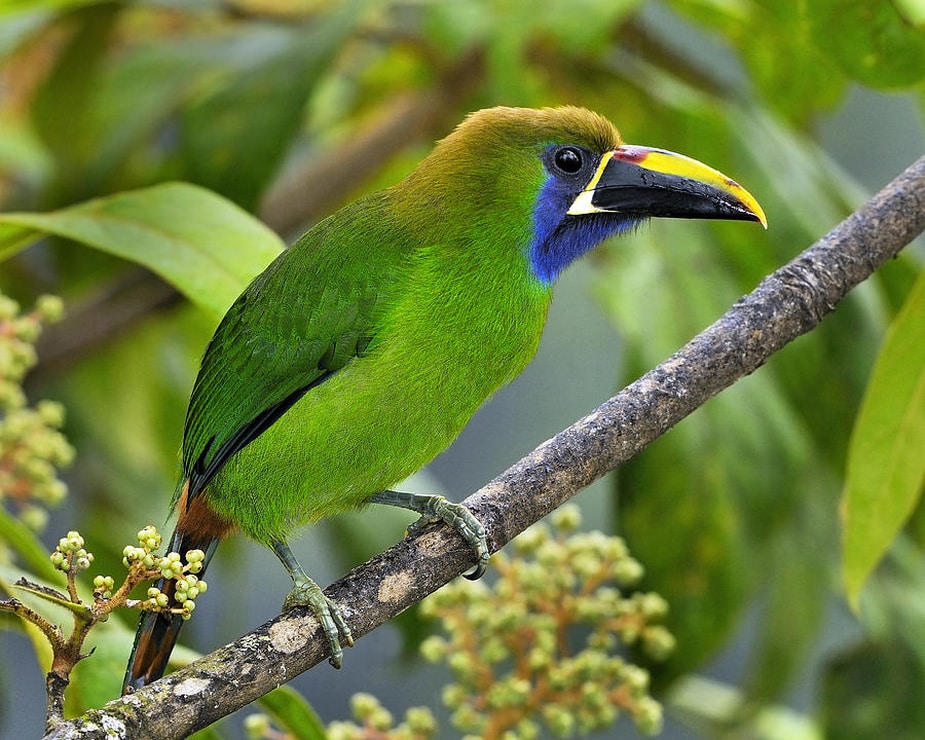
[371, 425]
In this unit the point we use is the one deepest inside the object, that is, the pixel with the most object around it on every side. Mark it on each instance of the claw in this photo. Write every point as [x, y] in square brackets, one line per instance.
[308, 593]
[305, 592]
[437, 508]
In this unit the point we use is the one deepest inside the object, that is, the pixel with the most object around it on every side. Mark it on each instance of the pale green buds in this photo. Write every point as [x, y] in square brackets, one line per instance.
[558, 616]
[103, 586]
[70, 553]
[374, 720]
[149, 538]
[32, 448]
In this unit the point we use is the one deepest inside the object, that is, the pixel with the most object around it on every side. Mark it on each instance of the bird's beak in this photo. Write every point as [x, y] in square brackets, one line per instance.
[644, 182]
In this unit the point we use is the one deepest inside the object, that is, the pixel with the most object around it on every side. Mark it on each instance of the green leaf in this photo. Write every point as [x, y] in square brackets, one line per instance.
[27, 546]
[134, 101]
[774, 47]
[205, 246]
[22, 152]
[871, 42]
[872, 690]
[679, 521]
[293, 714]
[912, 11]
[60, 109]
[235, 136]
[40, 644]
[53, 596]
[797, 572]
[709, 708]
[886, 457]
[34, 6]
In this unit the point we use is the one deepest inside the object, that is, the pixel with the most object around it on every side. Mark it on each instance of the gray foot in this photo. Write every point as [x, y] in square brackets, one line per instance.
[305, 592]
[434, 508]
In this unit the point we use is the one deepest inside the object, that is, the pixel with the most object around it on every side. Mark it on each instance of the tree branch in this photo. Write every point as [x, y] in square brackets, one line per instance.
[786, 304]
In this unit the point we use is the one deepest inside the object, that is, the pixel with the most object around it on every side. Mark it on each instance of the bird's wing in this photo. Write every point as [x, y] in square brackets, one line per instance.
[306, 317]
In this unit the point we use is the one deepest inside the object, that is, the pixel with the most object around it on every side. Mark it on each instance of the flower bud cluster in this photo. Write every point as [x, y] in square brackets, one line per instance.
[186, 585]
[374, 720]
[544, 645]
[103, 586]
[371, 720]
[31, 446]
[70, 554]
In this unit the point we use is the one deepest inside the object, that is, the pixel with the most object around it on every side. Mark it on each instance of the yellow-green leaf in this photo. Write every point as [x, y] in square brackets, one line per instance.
[205, 246]
[886, 457]
[293, 713]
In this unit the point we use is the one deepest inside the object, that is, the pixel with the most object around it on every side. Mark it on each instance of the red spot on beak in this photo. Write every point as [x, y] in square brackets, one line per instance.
[629, 153]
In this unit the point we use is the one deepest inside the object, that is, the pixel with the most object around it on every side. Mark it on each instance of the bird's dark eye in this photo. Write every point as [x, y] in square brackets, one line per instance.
[568, 159]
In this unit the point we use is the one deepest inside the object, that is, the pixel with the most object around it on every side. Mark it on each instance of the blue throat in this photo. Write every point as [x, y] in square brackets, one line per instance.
[560, 239]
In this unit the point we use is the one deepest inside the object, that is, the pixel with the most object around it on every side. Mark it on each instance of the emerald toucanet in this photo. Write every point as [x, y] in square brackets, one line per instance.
[362, 351]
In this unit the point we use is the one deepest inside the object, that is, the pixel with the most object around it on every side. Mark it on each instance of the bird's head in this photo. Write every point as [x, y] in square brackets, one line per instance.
[566, 180]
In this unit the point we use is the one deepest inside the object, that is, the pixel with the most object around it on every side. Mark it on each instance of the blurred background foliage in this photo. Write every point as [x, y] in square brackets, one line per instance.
[291, 108]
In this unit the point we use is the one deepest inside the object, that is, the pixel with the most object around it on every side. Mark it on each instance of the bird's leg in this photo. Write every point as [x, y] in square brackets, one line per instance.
[305, 592]
[433, 508]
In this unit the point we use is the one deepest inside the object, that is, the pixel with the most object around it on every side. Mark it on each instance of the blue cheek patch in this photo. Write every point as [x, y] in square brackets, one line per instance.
[559, 239]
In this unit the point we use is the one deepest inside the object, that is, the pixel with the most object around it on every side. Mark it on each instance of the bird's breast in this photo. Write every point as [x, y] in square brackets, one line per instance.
[443, 347]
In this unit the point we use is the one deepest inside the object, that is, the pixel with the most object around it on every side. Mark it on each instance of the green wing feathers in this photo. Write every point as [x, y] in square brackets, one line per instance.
[292, 329]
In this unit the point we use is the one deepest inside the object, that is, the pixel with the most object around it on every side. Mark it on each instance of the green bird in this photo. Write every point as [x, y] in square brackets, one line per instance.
[363, 350]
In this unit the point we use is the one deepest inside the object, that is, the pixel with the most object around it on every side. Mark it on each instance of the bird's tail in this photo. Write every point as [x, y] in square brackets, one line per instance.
[157, 633]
